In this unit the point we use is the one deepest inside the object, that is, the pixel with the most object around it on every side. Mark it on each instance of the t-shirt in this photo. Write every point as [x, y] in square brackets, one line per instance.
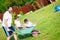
[17, 23]
[7, 16]
[29, 24]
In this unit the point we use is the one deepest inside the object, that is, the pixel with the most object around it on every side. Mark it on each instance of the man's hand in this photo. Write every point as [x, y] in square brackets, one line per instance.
[8, 29]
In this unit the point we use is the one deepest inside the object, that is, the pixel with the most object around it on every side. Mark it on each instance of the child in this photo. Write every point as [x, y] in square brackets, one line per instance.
[28, 24]
[35, 33]
[17, 23]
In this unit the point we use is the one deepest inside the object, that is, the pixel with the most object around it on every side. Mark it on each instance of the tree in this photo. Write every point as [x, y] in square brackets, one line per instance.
[5, 3]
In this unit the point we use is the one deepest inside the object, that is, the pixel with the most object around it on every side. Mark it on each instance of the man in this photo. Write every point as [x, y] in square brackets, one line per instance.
[7, 20]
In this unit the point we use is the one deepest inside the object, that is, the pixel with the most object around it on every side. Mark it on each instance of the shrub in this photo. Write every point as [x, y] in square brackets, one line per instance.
[13, 15]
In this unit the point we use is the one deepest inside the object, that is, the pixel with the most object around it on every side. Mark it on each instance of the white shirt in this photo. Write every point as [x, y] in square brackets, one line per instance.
[17, 23]
[29, 24]
[7, 16]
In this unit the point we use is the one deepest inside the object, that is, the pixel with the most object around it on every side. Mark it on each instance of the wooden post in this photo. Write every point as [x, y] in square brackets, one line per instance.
[52, 1]
[43, 2]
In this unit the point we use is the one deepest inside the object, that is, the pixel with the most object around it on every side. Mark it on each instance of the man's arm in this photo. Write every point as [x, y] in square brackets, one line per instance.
[5, 22]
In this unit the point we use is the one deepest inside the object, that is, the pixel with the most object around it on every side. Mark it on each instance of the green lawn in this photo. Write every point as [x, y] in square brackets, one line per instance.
[48, 23]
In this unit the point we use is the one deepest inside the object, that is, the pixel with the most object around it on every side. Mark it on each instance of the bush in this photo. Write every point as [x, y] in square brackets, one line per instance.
[6, 3]
[13, 15]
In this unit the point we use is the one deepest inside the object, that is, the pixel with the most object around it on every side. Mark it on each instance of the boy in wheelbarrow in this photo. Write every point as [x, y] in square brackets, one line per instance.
[29, 24]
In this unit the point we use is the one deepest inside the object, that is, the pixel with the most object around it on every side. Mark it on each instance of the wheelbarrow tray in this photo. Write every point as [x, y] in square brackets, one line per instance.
[26, 31]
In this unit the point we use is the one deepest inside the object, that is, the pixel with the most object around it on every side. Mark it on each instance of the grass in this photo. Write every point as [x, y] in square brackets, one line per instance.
[48, 23]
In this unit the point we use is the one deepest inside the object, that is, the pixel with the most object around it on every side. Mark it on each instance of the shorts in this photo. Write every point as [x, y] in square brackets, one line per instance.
[8, 33]
[30, 27]
[19, 27]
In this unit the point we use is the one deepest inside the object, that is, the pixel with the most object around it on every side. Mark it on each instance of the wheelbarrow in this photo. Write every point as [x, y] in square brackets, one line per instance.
[25, 31]
[28, 31]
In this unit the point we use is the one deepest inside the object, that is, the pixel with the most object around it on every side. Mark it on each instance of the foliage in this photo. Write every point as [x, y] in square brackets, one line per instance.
[21, 13]
[13, 18]
[5, 3]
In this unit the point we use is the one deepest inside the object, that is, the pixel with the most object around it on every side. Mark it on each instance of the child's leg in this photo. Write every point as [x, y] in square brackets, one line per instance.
[8, 38]
[15, 36]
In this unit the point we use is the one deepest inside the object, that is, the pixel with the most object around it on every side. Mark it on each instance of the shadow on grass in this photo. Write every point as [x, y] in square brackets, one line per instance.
[12, 38]
[24, 36]
[21, 37]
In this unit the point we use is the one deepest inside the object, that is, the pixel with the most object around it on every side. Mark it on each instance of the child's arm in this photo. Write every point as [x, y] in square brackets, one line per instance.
[33, 24]
[24, 27]
[16, 27]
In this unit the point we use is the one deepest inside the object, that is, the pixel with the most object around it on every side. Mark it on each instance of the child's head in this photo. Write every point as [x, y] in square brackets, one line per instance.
[16, 17]
[35, 33]
[25, 20]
